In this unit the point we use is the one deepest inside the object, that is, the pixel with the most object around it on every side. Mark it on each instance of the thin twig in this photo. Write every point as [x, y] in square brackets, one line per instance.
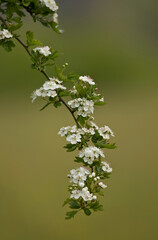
[42, 71]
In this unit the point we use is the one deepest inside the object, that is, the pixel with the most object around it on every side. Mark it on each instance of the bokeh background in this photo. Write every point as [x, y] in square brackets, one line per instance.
[116, 43]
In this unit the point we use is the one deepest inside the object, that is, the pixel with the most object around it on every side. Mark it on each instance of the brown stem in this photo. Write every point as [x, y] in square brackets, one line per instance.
[72, 113]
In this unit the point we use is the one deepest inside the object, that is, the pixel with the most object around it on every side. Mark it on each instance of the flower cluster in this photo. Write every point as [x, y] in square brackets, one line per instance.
[48, 89]
[43, 50]
[84, 194]
[5, 34]
[83, 106]
[79, 176]
[89, 154]
[74, 134]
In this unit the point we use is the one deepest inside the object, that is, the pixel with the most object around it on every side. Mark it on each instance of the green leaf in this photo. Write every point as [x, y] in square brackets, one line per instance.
[45, 106]
[70, 215]
[57, 104]
[107, 145]
[96, 206]
[70, 147]
[30, 39]
[74, 204]
[100, 103]
[87, 211]
[81, 120]
[8, 45]
[55, 27]
[66, 202]
[26, 3]
[96, 137]
[100, 193]
[78, 160]
[64, 93]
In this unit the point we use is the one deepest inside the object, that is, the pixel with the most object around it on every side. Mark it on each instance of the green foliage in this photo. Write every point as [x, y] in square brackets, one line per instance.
[96, 206]
[70, 147]
[70, 215]
[66, 202]
[45, 106]
[74, 204]
[87, 211]
[8, 45]
[30, 39]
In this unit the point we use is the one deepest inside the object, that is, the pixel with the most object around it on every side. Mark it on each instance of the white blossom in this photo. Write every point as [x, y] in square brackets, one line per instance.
[74, 138]
[64, 131]
[105, 132]
[5, 34]
[51, 4]
[76, 194]
[106, 167]
[48, 89]
[87, 79]
[87, 196]
[43, 50]
[89, 154]
[79, 132]
[51, 94]
[102, 185]
[84, 193]
[53, 84]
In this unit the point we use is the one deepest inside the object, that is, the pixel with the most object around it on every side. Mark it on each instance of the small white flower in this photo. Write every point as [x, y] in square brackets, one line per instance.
[49, 85]
[102, 185]
[74, 138]
[64, 131]
[43, 50]
[87, 79]
[41, 92]
[5, 34]
[106, 167]
[76, 194]
[51, 94]
[87, 196]
[89, 154]
[105, 132]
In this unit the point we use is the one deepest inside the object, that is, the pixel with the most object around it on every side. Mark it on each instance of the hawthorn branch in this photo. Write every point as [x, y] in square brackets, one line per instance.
[42, 71]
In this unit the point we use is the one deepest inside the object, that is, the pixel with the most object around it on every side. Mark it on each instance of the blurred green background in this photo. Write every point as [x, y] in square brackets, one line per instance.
[116, 43]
